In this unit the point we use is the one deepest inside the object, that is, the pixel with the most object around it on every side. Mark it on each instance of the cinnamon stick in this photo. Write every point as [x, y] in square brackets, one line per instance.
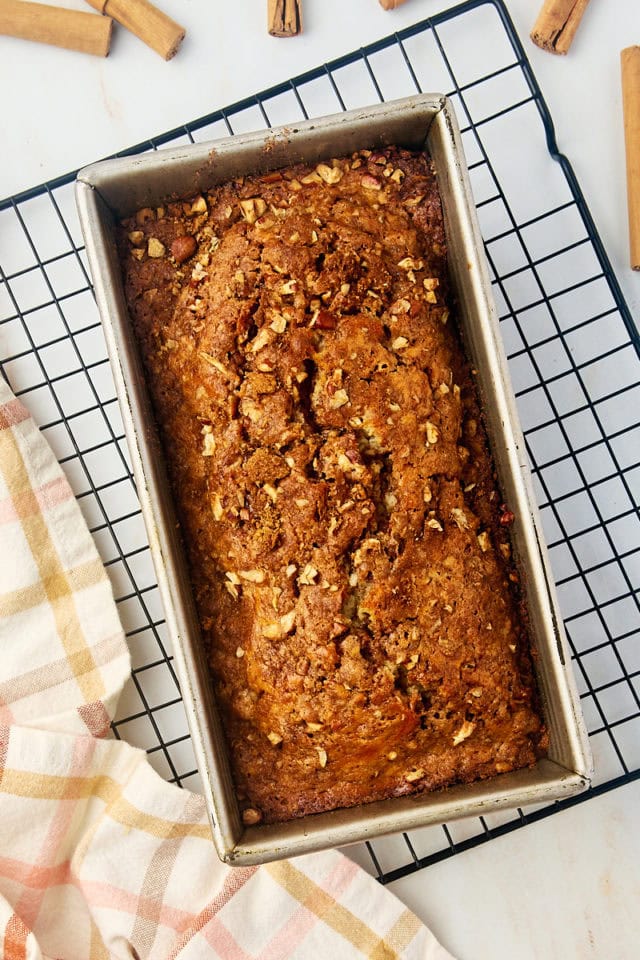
[284, 17]
[391, 4]
[557, 23]
[630, 64]
[151, 25]
[70, 29]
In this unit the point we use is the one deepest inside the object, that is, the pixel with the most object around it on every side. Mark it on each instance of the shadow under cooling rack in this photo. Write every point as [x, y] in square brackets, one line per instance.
[574, 360]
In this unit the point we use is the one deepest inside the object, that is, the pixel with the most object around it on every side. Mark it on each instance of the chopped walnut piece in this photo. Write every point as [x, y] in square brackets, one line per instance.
[155, 248]
[263, 337]
[392, 755]
[239, 653]
[329, 174]
[274, 738]
[399, 307]
[208, 444]
[339, 399]
[232, 589]
[215, 363]
[400, 343]
[279, 324]
[199, 205]
[465, 731]
[432, 432]
[198, 273]
[308, 575]
[145, 215]
[322, 757]
[460, 518]
[287, 621]
[251, 817]
[409, 263]
[484, 541]
[270, 491]
[253, 576]
[414, 775]
[136, 237]
[252, 208]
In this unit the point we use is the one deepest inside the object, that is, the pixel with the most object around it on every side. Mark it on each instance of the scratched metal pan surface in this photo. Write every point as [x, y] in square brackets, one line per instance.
[107, 191]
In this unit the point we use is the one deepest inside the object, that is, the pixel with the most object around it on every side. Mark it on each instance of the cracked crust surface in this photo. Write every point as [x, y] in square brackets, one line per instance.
[348, 548]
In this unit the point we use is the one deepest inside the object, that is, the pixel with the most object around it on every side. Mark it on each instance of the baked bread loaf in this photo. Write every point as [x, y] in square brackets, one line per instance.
[348, 547]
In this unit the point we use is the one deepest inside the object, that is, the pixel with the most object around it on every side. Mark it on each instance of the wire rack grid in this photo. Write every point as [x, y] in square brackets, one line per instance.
[573, 353]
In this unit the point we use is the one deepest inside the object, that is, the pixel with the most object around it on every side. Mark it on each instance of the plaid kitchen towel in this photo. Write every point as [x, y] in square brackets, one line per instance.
[99, 857]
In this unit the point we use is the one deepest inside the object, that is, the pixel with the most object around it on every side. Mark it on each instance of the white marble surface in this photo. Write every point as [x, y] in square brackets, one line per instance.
[567, 887]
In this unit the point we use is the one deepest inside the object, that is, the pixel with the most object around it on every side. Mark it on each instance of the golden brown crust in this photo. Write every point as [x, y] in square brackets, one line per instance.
[331, 469]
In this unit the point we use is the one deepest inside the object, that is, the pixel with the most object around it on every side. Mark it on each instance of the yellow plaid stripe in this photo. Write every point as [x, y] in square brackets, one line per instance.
[329, 911]
[46, 786]
[77, 578]
[97, 949]
[58, 588]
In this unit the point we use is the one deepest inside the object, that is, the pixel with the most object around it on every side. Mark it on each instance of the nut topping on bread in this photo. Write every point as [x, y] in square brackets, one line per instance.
[349, 549]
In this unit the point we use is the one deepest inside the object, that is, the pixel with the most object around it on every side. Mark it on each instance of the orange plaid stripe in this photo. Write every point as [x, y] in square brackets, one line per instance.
[11, 413]
[57, 672]
[4, 746]
[233, 884]
[42, 498]
[95, 717]
[157, 875]
[15, 939]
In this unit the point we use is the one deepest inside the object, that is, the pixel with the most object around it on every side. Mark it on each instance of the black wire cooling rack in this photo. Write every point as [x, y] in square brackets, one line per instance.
[573, 353]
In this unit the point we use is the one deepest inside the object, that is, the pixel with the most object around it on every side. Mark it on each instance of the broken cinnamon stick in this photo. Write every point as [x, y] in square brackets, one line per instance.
[391, 4]
[557, 23]
[151, 25]
[630, 64]
[70, 29]
[284, 17]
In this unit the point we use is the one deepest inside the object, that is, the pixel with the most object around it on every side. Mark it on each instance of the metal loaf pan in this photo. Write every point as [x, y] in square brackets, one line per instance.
[110, 190]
